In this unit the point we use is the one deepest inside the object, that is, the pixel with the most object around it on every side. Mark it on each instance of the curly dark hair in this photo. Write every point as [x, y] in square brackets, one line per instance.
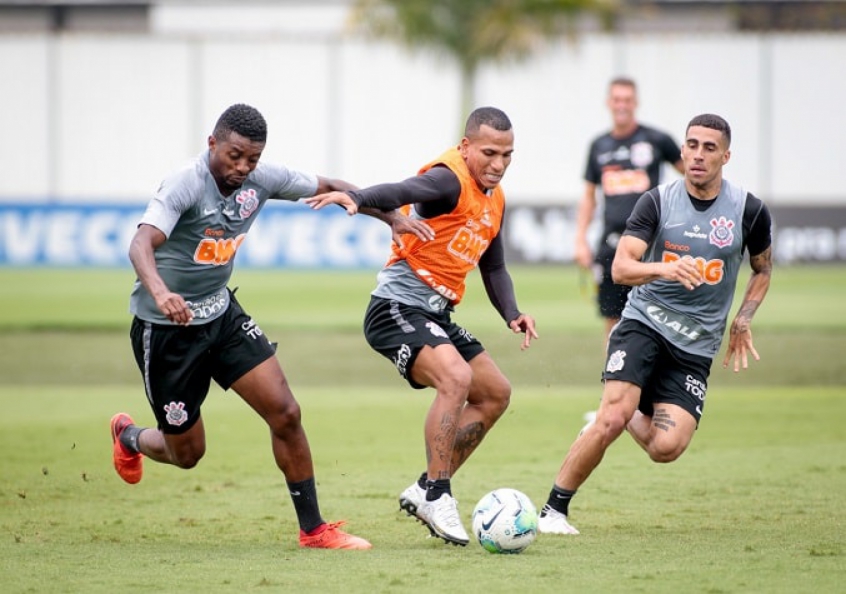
[241, 119]
[714, 122]
[486, 116]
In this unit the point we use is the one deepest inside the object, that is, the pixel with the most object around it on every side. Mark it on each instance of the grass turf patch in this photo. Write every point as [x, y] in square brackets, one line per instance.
[754, 505]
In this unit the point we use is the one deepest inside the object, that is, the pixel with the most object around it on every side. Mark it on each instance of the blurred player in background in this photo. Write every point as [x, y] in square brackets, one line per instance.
[682, 251]
[624, 163]
[189, 329]
[409, 317]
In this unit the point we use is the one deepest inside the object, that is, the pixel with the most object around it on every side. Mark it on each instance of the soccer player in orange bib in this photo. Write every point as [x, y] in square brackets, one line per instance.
[409, 318]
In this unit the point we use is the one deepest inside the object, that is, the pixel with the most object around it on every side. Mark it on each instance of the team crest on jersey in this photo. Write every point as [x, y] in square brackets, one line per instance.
[249, 202]
[721, 232]
[616, 361]
[176, 414]
[642, 155]
[436, 330]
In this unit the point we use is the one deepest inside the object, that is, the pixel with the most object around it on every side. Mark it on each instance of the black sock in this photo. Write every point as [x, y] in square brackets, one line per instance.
[559, 499]
[421, 482]
[129, 437]
[304, 496]
[434, 489]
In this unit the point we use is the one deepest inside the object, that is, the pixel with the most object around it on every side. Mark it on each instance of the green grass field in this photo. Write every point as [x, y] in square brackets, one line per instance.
[755, 505]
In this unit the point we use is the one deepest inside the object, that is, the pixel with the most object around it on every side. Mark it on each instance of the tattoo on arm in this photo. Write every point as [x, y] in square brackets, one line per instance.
[763, 262]
[744, 316]
[762, 266]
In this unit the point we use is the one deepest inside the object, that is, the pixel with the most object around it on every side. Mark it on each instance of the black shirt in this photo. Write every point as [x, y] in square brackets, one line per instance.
[625, 168]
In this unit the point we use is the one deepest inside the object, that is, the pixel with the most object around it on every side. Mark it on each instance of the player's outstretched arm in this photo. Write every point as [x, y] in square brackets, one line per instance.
[740, 333]
[343, 199]
[332, 191]
[401, 224]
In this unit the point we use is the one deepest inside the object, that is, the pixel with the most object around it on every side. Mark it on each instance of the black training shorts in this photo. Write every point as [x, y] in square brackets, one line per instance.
[640, 355]
[399, 331]
[179, 362]
[610, 296]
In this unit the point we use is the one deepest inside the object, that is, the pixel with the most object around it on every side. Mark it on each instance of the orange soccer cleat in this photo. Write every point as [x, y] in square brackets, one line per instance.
[330, 536]
[128, 465]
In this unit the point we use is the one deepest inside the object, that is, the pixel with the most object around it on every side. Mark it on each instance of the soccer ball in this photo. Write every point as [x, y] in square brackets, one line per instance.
[505, 521]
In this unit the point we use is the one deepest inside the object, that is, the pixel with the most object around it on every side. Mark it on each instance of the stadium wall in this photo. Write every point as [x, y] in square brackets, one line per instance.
[94, 121]
[102, 118]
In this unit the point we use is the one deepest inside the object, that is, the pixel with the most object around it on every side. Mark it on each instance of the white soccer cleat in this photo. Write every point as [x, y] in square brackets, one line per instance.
[552, 521]
[441, 517]
[412, 498]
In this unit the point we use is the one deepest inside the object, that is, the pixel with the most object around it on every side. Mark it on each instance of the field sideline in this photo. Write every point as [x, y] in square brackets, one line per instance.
[755, 505]
[800, 330]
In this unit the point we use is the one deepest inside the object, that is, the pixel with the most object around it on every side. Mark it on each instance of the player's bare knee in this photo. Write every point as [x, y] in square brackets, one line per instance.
[187, 459]
[501, 397]
[456, 385]
[663, 452]
[285, 418]
[611, 423]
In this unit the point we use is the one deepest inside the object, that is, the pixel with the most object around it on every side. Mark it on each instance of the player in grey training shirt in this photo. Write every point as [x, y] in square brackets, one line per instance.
[189, 329]
[204, 229]
[682, 251]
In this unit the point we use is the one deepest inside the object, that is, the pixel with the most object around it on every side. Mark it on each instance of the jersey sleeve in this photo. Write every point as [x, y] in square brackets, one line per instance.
[670, 150]
[497, 280]
[757, 225]
[284, 183]
[593, 173]
[643, 222]
[174, 196]
[438, 187]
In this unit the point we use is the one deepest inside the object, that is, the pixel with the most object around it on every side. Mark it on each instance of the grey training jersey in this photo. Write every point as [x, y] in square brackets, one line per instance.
[204, 230]
[693, 320]
[399, 282]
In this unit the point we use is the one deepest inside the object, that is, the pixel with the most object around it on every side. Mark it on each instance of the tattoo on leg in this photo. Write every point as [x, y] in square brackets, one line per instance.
[443, 449]
[662, 420]
[444, 440]
[468, 439]
[447, 421]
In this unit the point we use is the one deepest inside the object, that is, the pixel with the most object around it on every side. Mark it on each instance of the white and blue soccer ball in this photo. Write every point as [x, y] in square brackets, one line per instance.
[505, 521]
